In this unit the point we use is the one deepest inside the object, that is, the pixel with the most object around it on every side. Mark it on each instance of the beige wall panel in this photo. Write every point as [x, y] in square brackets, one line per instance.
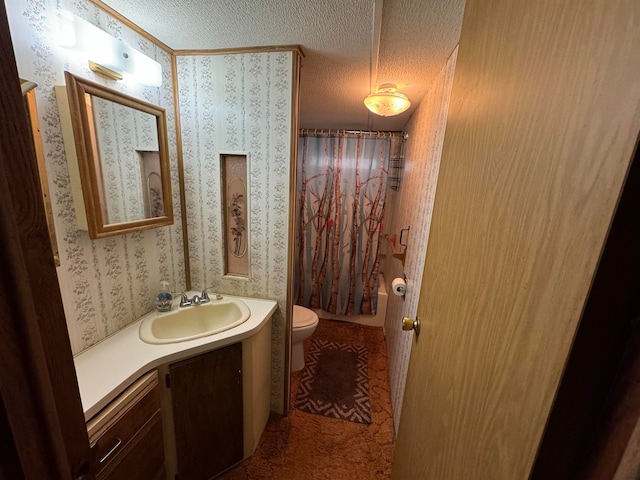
[241, 104]
[543, 121]
[412, 205]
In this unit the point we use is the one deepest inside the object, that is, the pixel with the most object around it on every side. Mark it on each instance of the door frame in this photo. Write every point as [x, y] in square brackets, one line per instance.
[606, 337]
[38, 384]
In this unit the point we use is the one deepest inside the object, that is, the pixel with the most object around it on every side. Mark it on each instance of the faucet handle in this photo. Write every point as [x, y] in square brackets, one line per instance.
[184, 300]
[204, 298]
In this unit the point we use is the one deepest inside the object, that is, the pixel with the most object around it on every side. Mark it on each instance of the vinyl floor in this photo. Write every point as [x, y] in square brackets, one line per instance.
[304, 446]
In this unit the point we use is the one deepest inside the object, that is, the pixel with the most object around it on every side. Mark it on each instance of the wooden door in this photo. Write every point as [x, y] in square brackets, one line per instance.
[543, 121]
[207, 412]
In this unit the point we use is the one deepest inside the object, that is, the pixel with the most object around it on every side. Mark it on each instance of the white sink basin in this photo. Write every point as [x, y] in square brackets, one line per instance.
[182, 324]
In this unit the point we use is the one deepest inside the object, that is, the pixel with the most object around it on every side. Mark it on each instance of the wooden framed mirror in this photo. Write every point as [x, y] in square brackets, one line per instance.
[120, 143]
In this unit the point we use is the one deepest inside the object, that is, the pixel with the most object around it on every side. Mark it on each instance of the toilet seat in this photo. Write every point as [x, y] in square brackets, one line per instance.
[303, 317]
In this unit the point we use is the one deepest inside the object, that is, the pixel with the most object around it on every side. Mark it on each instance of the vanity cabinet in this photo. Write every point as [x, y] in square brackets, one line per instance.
[207, 406]
[217, 388]
[126, 436]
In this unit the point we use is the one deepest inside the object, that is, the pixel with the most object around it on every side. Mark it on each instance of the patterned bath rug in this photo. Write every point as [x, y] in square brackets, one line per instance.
[335, 382]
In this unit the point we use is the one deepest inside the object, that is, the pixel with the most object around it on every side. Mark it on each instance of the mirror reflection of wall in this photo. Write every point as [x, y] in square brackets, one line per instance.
[121, 134]
[151, 184]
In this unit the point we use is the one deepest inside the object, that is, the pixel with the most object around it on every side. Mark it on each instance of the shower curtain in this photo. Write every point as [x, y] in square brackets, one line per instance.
[341, 198]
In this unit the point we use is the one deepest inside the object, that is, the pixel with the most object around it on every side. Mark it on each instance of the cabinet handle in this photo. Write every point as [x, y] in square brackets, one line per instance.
[118, 443]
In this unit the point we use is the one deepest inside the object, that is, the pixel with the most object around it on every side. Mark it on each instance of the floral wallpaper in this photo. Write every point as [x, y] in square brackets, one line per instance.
[106, 284]
[412, 205]
[240, 104]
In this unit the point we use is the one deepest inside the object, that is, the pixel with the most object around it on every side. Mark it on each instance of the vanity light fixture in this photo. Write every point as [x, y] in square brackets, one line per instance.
[387, 101]
[107, 55]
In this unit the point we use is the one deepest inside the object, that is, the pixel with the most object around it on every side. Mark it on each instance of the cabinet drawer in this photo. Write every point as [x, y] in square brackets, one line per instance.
[114, 429]
[142, 458]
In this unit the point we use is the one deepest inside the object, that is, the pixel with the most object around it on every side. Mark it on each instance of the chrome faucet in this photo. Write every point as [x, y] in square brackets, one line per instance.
[185, 301]
[204, 298]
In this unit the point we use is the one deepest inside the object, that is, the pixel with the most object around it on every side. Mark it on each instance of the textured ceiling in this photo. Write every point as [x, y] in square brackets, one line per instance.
[416, 38]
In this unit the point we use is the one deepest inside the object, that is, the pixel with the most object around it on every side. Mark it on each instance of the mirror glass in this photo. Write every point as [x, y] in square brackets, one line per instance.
[127, 146]
[122, 152]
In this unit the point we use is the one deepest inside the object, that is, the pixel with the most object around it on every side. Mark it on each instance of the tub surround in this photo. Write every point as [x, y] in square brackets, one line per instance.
[107, 369]
[376, 320]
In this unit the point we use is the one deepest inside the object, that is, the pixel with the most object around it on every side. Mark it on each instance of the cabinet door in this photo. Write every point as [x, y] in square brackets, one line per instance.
[207, 412]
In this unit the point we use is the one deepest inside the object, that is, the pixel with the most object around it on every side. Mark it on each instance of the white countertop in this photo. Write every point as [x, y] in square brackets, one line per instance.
[106, 369]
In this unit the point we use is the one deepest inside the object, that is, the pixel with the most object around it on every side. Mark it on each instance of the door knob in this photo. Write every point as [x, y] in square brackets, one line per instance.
[411, 324]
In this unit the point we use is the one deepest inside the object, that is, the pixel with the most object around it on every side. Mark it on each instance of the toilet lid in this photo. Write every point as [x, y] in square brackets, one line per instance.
[303, 317]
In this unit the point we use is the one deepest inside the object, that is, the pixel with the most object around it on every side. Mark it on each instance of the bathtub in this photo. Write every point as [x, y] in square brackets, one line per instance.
[376, 320]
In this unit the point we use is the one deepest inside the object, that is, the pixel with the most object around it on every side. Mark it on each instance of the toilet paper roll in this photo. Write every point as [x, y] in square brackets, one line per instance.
[399, 286]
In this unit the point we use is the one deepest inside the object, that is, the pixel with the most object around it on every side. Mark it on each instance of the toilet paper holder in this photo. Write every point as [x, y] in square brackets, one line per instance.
[399, 286]
[404, 244]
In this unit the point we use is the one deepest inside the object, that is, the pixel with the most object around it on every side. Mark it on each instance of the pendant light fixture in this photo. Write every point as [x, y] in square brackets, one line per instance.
[387, 101]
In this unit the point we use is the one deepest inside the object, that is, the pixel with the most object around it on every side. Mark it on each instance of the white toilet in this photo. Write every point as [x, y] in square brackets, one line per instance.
[305, 322]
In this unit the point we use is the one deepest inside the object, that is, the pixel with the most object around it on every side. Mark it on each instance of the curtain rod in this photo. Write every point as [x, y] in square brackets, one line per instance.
[322, 132]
